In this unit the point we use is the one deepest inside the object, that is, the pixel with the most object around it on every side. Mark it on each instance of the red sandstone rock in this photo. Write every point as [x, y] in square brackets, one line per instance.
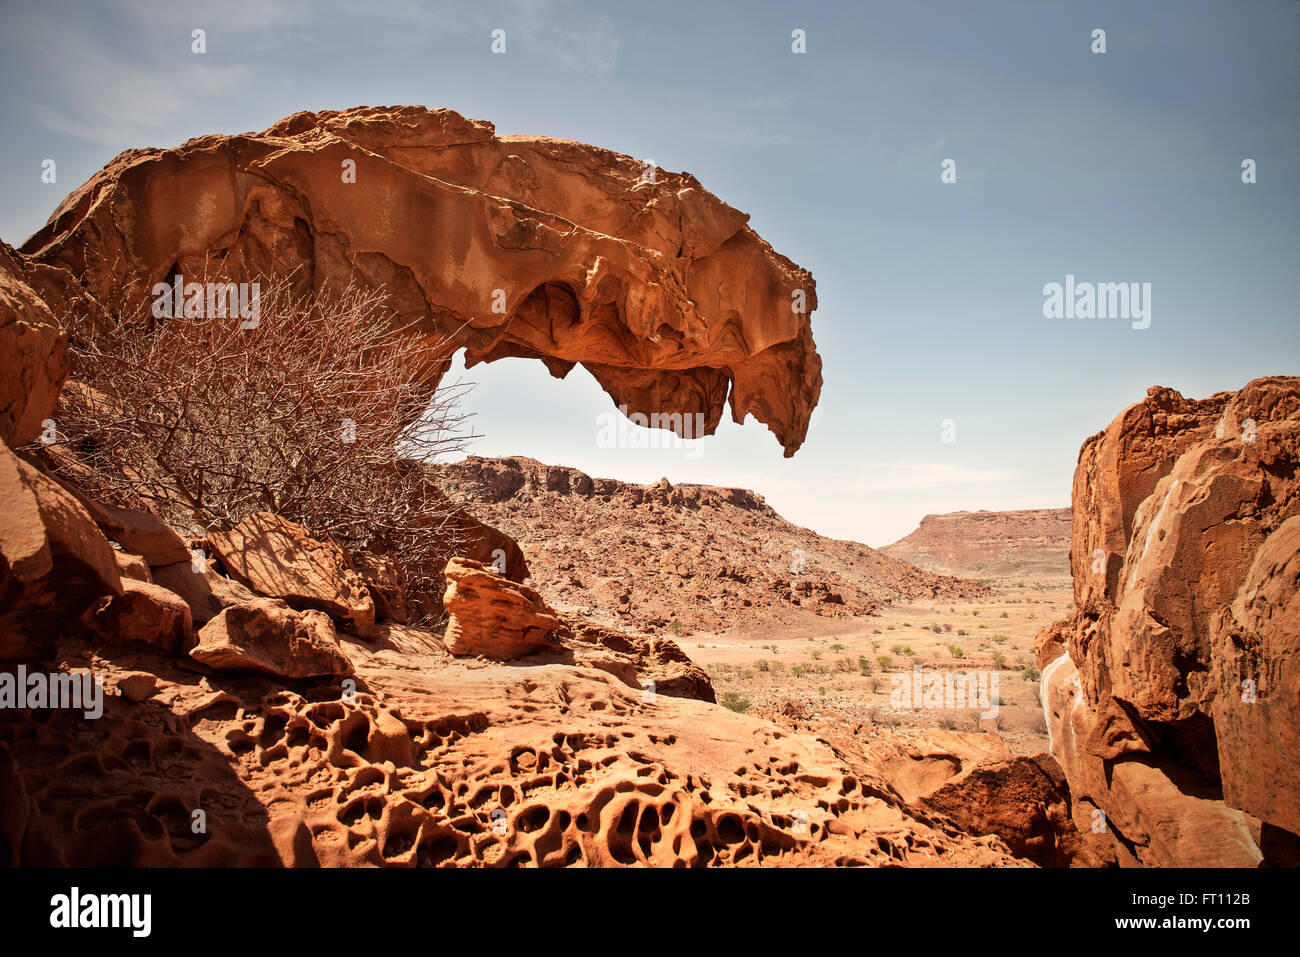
[490, 615]
[144, 614]
[1152, 812]
[385, 579]
[655, 665]
[1257, 707]
[55, 560]
[1185, 587]
[975, 781]
[132, 566]
[142, 533]
[281, 559]
[658, 288]
[136, 685]
[410, 772]
[268, 637]
[35, 350]
[205, 591]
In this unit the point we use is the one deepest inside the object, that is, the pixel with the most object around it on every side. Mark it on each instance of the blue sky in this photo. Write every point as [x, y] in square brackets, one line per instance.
[1115, 167]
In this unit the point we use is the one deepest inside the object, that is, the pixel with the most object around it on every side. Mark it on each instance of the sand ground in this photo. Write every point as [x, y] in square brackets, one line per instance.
[844, 670]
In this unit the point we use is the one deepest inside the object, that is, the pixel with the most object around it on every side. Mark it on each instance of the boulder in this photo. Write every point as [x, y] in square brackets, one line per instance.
[281, 559]
[491, 616]
[144, 614]
[205, 591]
[35, 348]
[136, 686]
[268, 637]
[642, 661]
[386, 581]
[132, 566]
[54, 561]
[141, 533]
[976, 782]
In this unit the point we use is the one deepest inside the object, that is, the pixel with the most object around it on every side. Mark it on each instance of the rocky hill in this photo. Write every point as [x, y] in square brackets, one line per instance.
[682, 558]
[990, 544]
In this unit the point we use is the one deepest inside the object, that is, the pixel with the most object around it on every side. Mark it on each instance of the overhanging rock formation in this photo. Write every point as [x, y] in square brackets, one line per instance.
[506, 245]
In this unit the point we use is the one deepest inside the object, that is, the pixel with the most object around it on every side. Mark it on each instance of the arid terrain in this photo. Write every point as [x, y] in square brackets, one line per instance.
[710, 567]
[850, 673]
[509, 663]
[680, 559]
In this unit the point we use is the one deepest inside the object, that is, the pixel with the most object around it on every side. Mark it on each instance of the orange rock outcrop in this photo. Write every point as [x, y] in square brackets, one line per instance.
[1172, 694]
[505, 245]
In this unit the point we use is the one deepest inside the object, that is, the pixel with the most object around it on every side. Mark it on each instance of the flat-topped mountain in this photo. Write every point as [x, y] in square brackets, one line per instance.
[1033, 541]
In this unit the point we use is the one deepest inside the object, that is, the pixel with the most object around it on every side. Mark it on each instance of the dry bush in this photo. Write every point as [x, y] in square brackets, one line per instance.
[322, 413]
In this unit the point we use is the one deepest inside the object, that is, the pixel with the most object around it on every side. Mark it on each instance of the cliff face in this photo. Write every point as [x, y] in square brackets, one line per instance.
[1172, 693]
[505, 246]
[977, 544]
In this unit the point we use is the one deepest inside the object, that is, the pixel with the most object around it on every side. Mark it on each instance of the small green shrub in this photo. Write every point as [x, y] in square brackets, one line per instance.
[734, 702]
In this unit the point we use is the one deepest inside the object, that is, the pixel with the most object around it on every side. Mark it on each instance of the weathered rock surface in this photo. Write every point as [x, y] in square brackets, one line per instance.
[990, 544]
[974, 781]
[655, 665]
[132, 566]
[1147, 809]
[35, 349]
[442, 761]
[141, 533]
[385, 580]
[54, 561]
[465, 536]
[1257, 659]
[652, 283]
[1176, 708]
[490, 615]
[205, 591]
[143, 614]
[268, 637]
[280, 559]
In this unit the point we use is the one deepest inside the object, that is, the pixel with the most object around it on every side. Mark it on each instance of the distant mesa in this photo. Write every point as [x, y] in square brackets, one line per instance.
[1027, 542]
